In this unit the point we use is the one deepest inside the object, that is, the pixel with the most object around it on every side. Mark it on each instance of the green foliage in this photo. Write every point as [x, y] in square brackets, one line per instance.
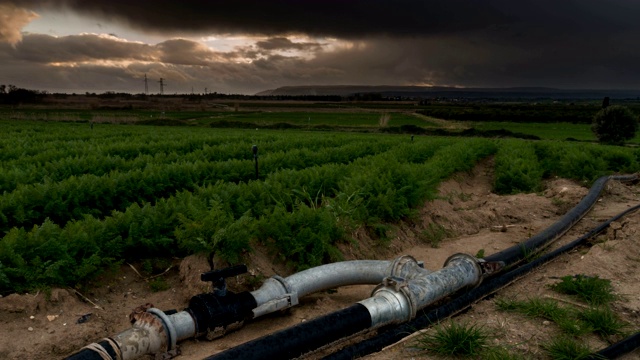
[517, 169]
[77, 201]
[614, 125]
[573, 321]
[303, 238]
[566, 348]
[434, 234]
[593, 290]
[455, 339]
[565, 318]
[518, 112]
[545, 131]
[584, 162]
[159, 284]
[603, 321]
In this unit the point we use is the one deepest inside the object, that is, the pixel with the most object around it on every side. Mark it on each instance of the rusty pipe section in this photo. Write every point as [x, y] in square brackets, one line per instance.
[279, 293]
[410, 288]
[152, 332]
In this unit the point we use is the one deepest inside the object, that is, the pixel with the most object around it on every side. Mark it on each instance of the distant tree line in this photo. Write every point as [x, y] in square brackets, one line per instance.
[215, 95]
[13, 95]
[522, 112]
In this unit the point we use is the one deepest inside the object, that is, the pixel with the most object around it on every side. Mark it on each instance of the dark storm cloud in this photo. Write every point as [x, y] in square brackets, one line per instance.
[282, 43]
[77, 48]
[340, 18]
[474, 43]
[357, 18]
[186, 52]
[94, 63]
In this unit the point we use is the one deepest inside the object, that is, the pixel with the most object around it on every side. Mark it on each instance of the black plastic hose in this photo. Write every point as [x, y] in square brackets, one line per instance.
[618, 349]
[518, 252]
[89, 354]
[296, 341]
[458, 304]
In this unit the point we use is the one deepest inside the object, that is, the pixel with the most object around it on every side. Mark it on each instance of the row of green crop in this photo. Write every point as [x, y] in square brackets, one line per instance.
[27, 171]
[113, 140]
[190, 144]
[76, 196]
[299, 210]
[298, 214]
[521, 166]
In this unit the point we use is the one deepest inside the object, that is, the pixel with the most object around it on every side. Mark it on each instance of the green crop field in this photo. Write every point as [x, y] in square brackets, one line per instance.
[364, 119]
[545, 131]
[335, 118]
[77, 199]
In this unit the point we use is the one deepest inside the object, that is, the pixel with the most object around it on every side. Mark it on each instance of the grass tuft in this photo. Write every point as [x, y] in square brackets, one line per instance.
[603, 321]
[566, 348]
[459, 340]
[434, 234]
[592, 290]
[565, 318]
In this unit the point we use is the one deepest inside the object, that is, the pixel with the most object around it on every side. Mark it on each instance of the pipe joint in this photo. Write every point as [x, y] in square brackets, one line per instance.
[406, 266]
[391, 302]
[172, 337]
[146, 336]
[274, 287]
[471, 263]
[284, 302]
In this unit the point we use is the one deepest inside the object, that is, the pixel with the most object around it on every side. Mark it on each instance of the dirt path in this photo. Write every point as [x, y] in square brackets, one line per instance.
[445, 124]
[45, 326]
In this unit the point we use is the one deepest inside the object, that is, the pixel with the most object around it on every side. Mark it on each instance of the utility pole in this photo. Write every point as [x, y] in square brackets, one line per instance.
[162, 84]
[146, 85]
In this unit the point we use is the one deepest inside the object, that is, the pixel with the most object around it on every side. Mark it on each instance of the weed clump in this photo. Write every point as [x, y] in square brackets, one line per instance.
[460, 340]
[566, 348]
[593, 290]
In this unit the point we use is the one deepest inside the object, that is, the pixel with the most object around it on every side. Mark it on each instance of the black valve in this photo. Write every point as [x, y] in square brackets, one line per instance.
[217, 277]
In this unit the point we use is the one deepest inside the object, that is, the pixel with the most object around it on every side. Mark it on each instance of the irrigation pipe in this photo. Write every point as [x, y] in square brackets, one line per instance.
[400, 296]
[460, 303]
[406, 288]
[514, 254]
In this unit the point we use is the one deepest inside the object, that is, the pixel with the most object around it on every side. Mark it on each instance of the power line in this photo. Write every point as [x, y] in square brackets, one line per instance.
[162, 85]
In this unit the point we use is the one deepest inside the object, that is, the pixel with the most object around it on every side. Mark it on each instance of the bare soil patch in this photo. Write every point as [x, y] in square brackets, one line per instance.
[466, 217]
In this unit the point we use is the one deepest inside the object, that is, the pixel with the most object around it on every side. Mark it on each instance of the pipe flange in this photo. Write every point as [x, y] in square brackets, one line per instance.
[413, 302]
[171, 331]
[399, 285]
[284, 283]
[398, 265]
[469, 259]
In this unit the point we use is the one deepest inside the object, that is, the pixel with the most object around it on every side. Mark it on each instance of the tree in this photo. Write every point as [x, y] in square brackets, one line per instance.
[614, 125]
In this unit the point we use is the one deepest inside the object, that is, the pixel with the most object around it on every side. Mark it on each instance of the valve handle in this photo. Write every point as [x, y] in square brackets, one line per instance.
[217, 278]
[216, 275]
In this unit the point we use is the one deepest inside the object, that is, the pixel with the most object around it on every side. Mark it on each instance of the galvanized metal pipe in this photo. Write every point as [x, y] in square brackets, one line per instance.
[412, 288]
[279, 293]
[407, 289]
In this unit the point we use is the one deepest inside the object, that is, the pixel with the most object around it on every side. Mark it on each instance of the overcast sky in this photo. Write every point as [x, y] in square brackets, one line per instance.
[237, 46]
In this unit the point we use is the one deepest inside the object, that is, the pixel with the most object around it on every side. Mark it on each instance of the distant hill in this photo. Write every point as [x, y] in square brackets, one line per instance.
[450, 92]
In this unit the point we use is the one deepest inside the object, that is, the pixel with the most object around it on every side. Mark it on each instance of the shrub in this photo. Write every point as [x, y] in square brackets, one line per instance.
[614, 125]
